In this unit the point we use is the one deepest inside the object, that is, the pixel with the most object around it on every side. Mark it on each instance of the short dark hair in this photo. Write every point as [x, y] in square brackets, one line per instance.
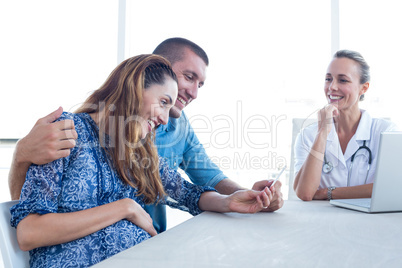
[173, 49]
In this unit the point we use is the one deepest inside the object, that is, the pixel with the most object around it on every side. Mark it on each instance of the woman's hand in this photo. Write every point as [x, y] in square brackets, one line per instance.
[242, 201]
[249, 201]
[56, 228]
[307, 180]
[277, 199]
[140, 217]
[325, 117]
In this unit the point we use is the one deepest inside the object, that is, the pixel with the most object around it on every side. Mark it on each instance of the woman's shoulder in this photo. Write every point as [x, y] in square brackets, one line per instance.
[65, 116]
[77, 118]
[383, 124]
[83, 123]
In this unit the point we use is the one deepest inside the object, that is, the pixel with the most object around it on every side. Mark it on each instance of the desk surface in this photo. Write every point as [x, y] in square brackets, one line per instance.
[301, 234]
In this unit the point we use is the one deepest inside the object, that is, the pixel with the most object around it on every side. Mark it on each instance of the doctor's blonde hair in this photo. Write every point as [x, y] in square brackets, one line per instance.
[358, 58]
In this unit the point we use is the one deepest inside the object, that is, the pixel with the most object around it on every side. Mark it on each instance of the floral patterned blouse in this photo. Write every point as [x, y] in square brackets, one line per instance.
[85, 180]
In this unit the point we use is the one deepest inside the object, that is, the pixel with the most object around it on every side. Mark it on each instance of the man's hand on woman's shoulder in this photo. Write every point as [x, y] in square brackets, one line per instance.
[47, 141]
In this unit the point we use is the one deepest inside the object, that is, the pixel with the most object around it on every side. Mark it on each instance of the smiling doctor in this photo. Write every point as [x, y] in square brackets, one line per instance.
[336, 157]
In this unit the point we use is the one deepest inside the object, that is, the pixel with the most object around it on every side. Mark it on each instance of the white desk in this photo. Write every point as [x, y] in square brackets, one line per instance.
[301, 234]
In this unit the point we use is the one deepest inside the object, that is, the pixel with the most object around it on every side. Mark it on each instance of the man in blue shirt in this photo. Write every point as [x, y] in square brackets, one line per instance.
[176, 141]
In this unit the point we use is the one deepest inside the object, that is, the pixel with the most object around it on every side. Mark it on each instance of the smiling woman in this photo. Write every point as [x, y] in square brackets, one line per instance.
[327, 150]
[133, 95]
[159, 103]
[347, 71]
[102, 172]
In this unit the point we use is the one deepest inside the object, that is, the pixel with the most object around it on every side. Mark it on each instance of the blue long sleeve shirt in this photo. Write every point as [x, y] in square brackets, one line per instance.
[83, 180]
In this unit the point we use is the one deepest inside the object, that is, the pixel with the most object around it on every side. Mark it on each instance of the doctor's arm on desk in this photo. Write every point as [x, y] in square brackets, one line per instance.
[347, 80]
[308, 178]
[359, 191]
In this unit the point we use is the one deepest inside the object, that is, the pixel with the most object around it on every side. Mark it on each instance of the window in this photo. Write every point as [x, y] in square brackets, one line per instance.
[372, 27]
[53, 53]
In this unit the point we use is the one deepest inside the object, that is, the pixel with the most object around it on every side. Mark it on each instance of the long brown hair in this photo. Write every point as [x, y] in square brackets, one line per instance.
[119, 101]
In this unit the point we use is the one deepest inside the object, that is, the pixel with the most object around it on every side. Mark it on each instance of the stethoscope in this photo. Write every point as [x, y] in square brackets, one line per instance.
[327, 167]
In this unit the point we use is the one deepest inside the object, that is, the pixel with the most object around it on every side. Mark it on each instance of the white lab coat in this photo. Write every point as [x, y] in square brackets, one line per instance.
[369, 130]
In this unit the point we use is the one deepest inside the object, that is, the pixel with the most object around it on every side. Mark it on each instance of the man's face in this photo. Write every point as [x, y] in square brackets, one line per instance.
[191, 74]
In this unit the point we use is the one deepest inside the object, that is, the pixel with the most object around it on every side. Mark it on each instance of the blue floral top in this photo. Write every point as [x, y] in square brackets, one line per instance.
[85, 180]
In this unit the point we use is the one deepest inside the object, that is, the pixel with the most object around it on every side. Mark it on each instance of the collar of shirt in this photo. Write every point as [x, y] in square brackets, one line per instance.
[171, 125]
[363, 133]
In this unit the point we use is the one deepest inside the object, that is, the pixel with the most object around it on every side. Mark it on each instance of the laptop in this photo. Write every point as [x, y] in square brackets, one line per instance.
[387, 188]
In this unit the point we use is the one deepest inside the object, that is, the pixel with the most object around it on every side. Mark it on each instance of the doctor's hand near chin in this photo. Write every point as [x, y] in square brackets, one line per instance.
[325, 118]
[336, 157]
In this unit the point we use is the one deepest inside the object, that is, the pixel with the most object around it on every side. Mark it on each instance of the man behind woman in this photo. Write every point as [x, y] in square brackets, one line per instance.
[88, 206]
[176, 141]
